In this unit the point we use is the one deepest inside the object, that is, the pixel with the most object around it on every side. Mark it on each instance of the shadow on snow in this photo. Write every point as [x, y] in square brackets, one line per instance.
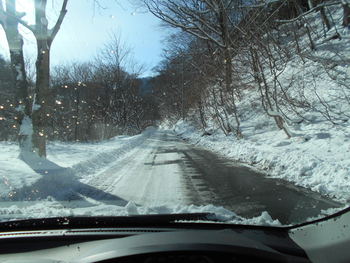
[59, 183]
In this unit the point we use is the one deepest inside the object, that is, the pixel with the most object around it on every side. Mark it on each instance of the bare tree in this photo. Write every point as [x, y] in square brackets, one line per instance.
[346, 13]
[44, 38]
[208, 20]
[9, 21]
[34, 118]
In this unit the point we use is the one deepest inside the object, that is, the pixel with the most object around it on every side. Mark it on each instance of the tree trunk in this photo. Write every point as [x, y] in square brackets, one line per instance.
[228, 70]
[265, 97]
[15, 43]
[325, 18]
[346, 14]
[42, 84]
[42, 98]
[312, 44]
[23, 102]
[310, 4]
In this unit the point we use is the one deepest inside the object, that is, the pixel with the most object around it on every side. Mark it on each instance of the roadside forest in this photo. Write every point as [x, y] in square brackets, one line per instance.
[78, 101]
[225, 63]
[232, 61]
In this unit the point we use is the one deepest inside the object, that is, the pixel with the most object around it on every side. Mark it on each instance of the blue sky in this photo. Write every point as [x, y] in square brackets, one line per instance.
[87, 27]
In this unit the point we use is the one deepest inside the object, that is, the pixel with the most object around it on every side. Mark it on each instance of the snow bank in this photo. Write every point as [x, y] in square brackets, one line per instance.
[85, 159]
[319, 160]
[89, 158]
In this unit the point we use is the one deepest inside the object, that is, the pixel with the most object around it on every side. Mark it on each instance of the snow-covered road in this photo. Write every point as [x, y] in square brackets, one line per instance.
[164, 170]
[149, 174]
[155, 170]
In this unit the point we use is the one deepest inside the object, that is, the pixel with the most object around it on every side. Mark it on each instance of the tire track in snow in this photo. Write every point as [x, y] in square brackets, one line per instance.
[145, 176]
[102, 161]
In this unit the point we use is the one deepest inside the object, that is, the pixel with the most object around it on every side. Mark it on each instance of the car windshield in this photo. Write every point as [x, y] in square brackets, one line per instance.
[133, 107]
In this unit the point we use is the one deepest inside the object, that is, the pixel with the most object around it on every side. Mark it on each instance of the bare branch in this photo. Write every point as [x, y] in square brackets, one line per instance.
[2, 13]
[316, 8]
[18, 17]
[58, 24]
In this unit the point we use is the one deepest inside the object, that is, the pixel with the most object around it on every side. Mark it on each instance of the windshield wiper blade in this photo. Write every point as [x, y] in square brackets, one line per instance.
[103, 221]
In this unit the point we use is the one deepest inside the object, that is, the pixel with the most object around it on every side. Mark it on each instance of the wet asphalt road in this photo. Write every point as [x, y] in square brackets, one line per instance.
[211, 179]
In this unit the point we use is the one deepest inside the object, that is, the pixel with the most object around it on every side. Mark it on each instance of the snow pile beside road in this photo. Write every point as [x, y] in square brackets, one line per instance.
[50, 208]
[221, 214]
[85, 159]
[88, 158]
[319, 159]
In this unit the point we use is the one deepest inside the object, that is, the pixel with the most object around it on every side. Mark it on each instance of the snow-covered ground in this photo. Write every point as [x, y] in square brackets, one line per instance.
[84, 158]
[108, 166]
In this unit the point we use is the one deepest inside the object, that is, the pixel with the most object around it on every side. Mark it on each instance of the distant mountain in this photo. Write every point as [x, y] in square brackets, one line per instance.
[146, 87]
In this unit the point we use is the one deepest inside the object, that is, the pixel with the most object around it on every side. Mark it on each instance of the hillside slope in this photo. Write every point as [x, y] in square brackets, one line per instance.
[317, 156]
